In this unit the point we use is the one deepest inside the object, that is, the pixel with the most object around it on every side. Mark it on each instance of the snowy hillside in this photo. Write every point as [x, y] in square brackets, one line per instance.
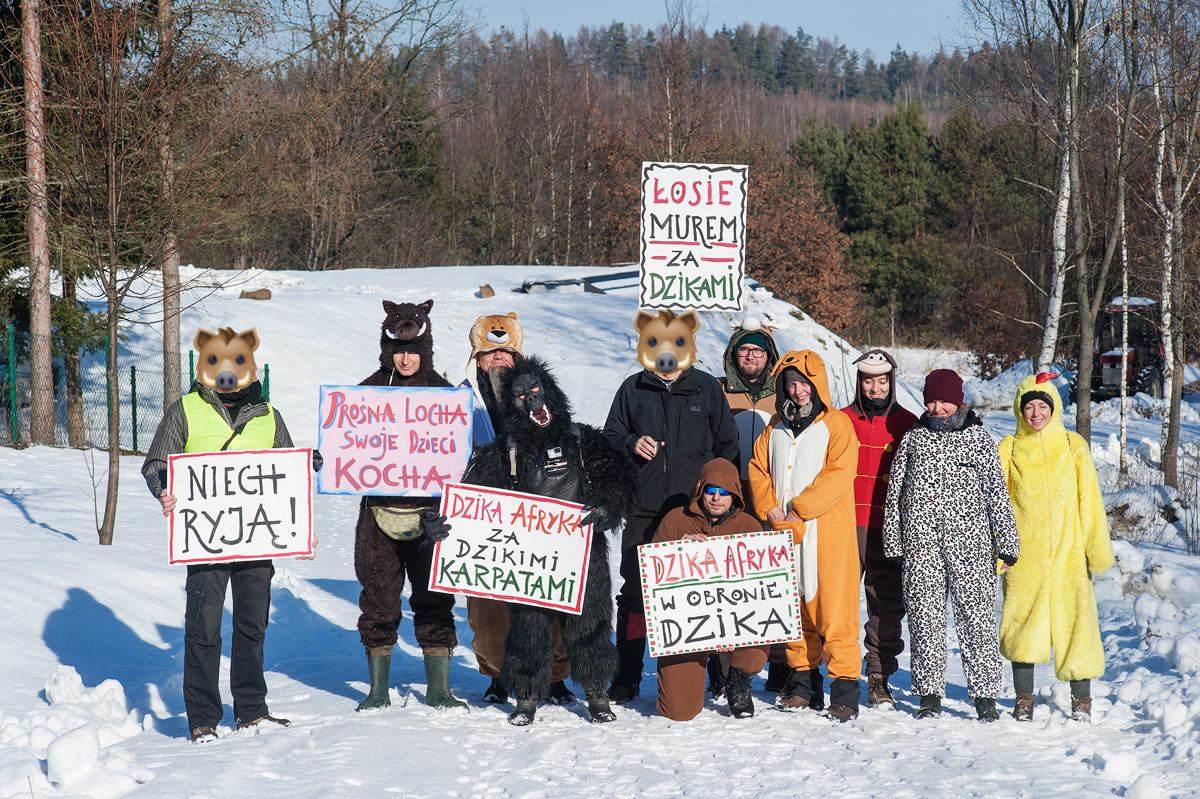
[91, 705]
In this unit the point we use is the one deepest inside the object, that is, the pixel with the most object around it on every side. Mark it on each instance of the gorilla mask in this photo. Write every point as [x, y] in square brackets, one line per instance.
[533, 401]
[529, 398]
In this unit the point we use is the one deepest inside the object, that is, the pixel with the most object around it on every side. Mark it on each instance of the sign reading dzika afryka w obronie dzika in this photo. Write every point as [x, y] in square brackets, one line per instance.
[735, 590]
[693, 247]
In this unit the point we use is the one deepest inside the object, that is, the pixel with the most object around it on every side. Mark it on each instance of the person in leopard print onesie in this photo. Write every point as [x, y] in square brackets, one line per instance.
[949, 516]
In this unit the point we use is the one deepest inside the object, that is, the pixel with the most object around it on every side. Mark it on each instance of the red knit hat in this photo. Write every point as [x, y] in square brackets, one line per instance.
[943, 385]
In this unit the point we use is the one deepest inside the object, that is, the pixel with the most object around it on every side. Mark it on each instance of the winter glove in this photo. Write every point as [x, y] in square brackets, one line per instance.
[434, 525]
[599, 518]
[317, 460]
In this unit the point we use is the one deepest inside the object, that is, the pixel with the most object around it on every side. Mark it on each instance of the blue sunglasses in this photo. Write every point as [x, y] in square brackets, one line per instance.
[716, 491]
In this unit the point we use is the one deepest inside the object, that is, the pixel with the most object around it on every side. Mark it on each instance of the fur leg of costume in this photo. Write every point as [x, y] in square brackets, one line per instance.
[526, 670]
[588, 636]
[925, 598]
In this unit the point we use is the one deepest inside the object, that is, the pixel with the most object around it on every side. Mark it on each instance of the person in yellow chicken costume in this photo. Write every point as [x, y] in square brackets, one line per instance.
[802, 479]
[1049, 603]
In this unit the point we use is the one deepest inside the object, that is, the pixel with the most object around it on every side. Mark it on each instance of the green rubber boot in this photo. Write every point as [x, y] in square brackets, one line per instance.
[437, 676]
[378, 666]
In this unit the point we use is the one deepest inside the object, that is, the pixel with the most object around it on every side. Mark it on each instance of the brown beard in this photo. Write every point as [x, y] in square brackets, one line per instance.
[493, 378]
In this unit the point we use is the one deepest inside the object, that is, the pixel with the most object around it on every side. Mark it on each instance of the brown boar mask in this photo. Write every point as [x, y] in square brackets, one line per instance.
[666, 342]
[226, 359]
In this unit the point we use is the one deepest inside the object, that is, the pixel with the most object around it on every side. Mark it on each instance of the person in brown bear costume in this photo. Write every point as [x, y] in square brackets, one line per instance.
[389, 541]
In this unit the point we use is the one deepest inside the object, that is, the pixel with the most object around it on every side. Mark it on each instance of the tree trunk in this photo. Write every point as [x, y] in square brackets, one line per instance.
[76, 432]
[41, 359]
[109, 522]
[169, 257]
[1058, 258]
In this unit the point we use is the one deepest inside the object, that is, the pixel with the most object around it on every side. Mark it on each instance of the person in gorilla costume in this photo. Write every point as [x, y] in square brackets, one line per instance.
[539, 450]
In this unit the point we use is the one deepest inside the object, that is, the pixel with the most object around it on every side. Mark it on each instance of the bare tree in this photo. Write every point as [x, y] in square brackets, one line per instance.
[41, 366]
[169, 256]
[1173, 46]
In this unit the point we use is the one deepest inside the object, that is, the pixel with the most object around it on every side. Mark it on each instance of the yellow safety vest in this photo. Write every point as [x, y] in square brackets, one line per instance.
[208, 430]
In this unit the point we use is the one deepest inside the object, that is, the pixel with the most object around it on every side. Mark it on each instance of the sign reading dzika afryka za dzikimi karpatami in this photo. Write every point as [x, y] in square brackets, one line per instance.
[248, 505]
[514, 547]
[735, 590]
[693, 247]
[393, 440]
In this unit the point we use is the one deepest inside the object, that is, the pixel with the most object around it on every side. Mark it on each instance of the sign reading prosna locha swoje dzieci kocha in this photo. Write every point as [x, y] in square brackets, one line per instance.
[729, 590]
[402, 441]
[693, 248]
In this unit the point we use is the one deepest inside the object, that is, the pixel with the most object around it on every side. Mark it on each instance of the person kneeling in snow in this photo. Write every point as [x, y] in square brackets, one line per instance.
[389, 540]
[224, 411]
[1049, 602]
[539, 450]
[715, 509]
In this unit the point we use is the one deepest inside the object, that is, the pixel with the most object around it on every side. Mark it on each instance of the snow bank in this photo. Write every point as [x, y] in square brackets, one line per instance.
[75, 734]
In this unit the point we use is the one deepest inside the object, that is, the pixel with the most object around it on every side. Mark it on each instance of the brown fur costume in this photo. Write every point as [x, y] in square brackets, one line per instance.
[380, 562]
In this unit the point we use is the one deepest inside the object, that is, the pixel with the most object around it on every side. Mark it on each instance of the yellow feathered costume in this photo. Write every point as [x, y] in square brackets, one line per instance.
[1049, 602]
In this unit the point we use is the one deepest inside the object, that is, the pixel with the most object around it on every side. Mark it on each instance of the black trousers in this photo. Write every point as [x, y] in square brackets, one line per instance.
[206, 587]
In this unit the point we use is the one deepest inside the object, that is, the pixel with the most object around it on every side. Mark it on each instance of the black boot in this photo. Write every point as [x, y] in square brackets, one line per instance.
[630, 651]
[378, 666]
[777, 675]
[599, 711]
[985, 708]
[496, 692]
[560, 694]
[523, 715]
[931, 707]
[843, 700]
[737, 691]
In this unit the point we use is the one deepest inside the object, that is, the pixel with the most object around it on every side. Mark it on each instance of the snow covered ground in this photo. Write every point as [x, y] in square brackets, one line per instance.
[90, 700]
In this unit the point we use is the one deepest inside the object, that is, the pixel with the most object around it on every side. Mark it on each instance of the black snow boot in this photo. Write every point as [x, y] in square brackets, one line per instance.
[630, 651]
[599, 711]
[523, 715]
[560, 694]
[985, 708]
[777, 675]
[931, 707]
[737, 692]
[496, 692]
[718, 668]
[843, 700]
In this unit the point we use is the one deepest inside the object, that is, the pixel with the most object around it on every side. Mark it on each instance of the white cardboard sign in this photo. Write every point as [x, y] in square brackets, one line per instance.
[249, 505]
[513, 547]
[735, 590]
[693, 247]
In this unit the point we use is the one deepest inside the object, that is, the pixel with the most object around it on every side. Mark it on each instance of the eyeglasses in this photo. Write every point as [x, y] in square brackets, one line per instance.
[752, 352]
[716, 491]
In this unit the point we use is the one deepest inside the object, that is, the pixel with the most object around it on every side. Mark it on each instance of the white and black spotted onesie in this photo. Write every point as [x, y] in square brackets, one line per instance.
[949, 515]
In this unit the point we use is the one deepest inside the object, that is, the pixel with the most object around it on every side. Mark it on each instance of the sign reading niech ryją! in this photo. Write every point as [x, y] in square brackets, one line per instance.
[393, 441]
[693, 247]
[736, 590]
[514, 547]
[248, 505]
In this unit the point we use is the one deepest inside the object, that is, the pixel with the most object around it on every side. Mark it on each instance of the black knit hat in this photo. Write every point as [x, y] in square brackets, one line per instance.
[1030, 396]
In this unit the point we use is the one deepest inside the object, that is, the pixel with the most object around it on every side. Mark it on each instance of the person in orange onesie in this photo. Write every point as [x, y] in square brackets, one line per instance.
[802, 479]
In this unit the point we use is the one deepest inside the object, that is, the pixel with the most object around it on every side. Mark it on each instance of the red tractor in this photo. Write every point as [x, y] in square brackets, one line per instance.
[1146, 350]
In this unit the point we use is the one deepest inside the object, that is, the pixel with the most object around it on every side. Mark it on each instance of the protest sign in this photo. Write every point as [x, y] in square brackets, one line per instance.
[393, 441]
[511, 546]
[247, 505]
[736, 590]
[693, 247]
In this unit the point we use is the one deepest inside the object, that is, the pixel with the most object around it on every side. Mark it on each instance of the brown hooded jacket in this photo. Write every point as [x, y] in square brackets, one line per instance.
[694, 519]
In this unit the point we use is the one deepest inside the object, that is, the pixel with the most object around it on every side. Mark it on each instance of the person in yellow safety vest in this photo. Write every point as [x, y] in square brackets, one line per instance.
[223, 411]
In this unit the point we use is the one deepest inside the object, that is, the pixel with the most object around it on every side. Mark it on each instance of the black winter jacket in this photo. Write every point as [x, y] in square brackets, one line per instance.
[692, 417]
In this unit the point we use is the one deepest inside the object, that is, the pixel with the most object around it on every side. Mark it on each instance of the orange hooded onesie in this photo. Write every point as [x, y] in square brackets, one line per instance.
[810, 475]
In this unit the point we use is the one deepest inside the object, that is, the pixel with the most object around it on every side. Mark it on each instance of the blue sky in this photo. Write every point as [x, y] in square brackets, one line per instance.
[860, 24]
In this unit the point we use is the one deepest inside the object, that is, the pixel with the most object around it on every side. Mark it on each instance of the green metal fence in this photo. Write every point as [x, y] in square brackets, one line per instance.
[82, 414]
